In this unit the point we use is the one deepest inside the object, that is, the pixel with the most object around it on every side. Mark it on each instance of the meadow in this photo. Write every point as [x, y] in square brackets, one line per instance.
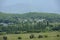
[51, 36]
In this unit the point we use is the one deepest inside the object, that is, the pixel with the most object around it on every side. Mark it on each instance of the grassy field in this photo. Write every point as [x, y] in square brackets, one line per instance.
[51, 36]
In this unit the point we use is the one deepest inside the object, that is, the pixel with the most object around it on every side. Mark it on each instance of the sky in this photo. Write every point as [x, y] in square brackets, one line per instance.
[23, 6]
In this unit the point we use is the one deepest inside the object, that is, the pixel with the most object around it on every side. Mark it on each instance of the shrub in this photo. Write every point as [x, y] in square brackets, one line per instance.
[19, 38]
[40, 36]
[4, 37]
[31, 36]
[58, 35]
[45, 36]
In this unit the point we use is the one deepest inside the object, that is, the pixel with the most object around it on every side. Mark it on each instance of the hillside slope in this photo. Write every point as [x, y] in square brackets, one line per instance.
[32, 15]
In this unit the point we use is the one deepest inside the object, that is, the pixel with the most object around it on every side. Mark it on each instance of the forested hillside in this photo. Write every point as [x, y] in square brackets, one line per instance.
[29, 22]
[32, 15]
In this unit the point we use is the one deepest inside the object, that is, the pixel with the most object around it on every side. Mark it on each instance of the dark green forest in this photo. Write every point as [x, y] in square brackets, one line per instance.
[29, 22]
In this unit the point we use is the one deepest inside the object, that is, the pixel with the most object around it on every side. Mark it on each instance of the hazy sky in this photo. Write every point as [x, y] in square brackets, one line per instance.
[21, 6]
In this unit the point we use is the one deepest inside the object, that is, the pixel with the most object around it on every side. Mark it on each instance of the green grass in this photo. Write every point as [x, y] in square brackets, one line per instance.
[51, 36]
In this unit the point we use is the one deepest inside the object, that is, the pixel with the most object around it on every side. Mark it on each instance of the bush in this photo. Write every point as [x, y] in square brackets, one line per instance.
[58, 35]
[40, 36]
[4, 37]
[45, 36]
[19, 38]
[31, 36]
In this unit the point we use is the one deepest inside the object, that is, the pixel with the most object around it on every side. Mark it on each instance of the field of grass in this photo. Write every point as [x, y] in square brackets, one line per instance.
[51, 36]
